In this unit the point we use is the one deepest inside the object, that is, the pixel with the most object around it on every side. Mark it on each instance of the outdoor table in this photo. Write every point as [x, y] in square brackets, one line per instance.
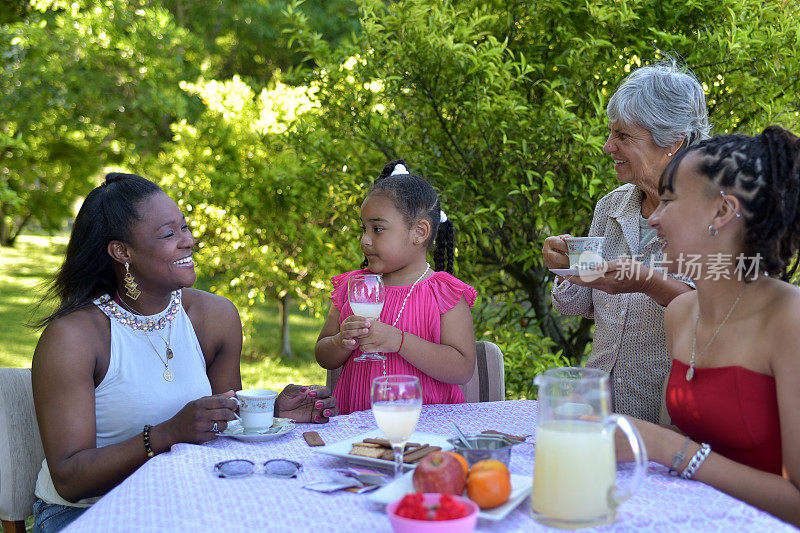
[178, 490]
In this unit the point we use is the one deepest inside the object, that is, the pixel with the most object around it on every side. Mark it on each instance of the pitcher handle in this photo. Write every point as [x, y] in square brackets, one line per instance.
[618, 495]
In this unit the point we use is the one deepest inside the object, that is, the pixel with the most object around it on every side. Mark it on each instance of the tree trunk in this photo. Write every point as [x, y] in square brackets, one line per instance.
[11, 239]
[3, 227]
[286, 345]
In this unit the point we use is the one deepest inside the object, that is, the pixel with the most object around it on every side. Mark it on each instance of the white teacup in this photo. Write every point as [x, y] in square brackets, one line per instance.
[585, 253]
[256, 408]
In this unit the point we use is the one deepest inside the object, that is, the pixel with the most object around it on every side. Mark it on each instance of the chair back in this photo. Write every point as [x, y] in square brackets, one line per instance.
[21, 452]
[332, 376]
[488, 382]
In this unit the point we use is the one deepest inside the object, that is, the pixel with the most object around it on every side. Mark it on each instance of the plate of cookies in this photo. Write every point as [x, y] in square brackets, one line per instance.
[373, 449]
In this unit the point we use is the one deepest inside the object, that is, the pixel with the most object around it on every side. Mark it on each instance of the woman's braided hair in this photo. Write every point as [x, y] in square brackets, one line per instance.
[763, 172]
[415, 198]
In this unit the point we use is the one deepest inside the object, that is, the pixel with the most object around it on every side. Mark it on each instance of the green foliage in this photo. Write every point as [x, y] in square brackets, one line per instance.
[502, 106]
[259, 230]
[13, 10]
[86, 85]
[96, 83]
[243, 37]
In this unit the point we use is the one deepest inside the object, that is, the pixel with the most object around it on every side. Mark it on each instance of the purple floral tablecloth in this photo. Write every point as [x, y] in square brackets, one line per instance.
[178, 491]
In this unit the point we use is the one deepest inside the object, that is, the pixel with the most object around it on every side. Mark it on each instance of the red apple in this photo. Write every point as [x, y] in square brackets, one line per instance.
[440, 472]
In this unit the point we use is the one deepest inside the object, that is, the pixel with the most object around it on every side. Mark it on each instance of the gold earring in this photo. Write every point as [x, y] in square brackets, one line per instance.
[131, 289]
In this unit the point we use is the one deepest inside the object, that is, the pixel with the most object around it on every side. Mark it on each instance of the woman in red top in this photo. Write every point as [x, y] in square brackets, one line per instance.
[732, 205]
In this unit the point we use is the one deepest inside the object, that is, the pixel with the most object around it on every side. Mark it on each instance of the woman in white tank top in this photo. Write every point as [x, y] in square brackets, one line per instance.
[132, 362]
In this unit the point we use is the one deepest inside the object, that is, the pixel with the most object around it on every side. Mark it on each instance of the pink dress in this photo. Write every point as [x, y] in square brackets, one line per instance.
[432, 297]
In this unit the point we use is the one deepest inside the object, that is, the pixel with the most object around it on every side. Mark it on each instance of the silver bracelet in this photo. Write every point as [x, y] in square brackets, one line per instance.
[678, 458]
[696, 461]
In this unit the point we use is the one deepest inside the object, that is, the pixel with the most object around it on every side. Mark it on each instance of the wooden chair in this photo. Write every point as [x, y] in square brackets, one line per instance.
[21, 452]
[488, 383]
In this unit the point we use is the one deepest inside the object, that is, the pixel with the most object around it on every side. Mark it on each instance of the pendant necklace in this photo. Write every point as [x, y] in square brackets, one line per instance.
[168, 374]
[693, 360]
[403, 306]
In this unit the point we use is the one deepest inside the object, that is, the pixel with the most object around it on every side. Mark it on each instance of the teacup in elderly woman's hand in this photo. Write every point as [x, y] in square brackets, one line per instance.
[306, 404]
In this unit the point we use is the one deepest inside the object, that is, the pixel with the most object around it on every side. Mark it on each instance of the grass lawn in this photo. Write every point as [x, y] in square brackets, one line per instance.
[35, 259]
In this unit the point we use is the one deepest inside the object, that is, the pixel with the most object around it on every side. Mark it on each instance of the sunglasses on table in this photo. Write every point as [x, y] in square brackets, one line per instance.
[234, 468]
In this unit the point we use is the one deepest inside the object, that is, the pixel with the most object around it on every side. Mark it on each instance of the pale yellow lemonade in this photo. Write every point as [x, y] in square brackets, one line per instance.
[397, 420]
[575, 466]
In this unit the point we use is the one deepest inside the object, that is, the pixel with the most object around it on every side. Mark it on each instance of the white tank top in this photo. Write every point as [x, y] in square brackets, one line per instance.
[134, 391]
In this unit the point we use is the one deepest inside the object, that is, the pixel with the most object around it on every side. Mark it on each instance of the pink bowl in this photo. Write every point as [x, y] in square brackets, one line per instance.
[401, 524]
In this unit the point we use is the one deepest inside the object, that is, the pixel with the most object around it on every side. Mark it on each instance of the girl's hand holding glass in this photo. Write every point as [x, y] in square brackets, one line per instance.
[380, 337]
[366, 294]
[351, 329]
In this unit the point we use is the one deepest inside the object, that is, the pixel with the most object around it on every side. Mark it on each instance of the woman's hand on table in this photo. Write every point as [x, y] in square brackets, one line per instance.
[554, 251]
[306, 404]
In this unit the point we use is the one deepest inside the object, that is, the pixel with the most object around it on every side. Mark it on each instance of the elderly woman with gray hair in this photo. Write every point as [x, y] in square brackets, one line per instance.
[655, 112]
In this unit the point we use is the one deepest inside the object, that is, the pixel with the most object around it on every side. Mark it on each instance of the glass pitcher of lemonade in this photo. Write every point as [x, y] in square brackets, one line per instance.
[574, 478]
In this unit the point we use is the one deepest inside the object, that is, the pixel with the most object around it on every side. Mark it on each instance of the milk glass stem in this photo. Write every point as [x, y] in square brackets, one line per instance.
[398, 458]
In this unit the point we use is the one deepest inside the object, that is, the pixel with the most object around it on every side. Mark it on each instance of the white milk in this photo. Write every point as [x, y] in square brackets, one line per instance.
[574, 469]
[397, 420]
[367, 310]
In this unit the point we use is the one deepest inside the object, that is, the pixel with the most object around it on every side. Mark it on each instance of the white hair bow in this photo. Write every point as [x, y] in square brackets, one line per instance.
[442, 217]
[399, 168]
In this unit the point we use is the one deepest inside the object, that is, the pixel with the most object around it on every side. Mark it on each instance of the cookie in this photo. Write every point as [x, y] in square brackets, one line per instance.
[313, 438]
[367, 450]
[417, 454]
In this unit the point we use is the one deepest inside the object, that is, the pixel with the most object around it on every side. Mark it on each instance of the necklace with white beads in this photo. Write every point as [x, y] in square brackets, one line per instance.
[402, 307]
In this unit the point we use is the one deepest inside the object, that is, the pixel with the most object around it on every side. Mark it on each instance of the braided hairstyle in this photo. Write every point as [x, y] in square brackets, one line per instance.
[763, 172]
[106, 215]
[415, 198]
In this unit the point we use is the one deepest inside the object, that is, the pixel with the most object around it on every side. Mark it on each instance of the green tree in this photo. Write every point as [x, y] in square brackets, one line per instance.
[94, 83]
[243, 37]
[83, 85]
[254, 211]
[501, 105]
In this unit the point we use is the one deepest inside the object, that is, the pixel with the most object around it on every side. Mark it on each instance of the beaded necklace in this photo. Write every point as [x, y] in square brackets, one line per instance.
[403, 306]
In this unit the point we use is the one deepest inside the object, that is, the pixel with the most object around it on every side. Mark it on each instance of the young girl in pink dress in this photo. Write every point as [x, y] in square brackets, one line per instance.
[432, 336]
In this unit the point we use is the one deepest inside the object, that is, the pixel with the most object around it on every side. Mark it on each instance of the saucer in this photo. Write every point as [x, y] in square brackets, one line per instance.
[564, 272]
[280, 427]
[585, 274]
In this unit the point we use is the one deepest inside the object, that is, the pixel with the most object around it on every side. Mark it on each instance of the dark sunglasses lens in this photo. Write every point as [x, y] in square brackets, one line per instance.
[235, 468]
[281, 468]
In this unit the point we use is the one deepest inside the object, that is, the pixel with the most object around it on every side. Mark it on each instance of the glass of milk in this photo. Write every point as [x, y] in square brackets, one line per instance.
[367, 294]
[396, 406]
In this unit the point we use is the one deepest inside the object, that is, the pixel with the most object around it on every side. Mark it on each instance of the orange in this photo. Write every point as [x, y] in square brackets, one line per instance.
[489, 483]
[464, 463]
[490, 464]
